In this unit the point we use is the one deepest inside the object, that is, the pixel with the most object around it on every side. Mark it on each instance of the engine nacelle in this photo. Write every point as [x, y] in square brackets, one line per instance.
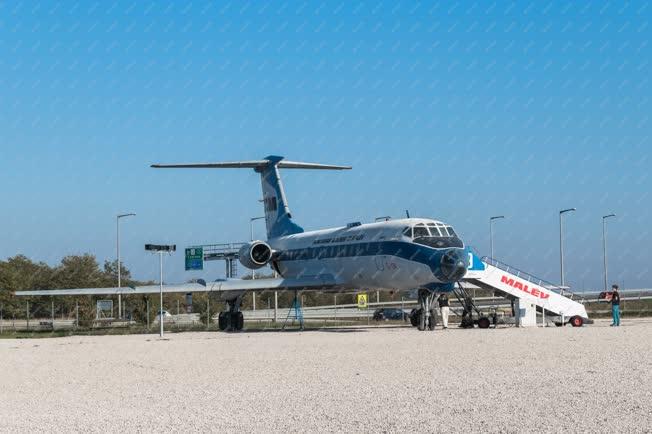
[255, 254]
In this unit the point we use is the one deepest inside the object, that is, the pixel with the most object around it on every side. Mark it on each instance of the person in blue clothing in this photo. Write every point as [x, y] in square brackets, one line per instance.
[615, 306]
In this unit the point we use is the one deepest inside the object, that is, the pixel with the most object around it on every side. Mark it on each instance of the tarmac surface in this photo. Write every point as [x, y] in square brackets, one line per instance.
[590, 379]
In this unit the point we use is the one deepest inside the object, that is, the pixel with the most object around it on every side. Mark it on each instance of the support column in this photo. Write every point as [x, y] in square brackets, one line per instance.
[275, 306]
[208, 312]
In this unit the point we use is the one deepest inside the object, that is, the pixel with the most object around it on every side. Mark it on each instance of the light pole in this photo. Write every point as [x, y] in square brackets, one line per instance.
[491, 245]
[117, 224]
[491, 233]
[161, 249]
[561, 244]
[604, 245]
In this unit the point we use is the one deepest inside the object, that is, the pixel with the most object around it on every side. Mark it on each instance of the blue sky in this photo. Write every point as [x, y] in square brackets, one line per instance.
[454, 111]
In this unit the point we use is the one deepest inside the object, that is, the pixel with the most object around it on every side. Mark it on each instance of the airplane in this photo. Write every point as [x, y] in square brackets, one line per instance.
[411, 254]
[392, 255]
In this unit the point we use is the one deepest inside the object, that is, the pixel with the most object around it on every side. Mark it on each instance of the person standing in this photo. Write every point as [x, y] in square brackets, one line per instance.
[615, 306]
[444, 308]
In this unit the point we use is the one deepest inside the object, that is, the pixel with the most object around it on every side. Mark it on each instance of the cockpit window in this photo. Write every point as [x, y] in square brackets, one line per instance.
[436, 235]
[431, 230]
[420, 230]
[434, 231]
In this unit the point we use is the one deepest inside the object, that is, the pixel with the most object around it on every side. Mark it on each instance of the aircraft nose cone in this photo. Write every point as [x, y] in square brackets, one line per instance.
[453, 266]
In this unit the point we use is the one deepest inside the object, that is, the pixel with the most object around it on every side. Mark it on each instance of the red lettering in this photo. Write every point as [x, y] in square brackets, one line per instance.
[525, 288]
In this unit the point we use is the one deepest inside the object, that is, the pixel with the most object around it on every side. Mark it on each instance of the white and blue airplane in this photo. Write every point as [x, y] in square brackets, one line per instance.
[393, 255]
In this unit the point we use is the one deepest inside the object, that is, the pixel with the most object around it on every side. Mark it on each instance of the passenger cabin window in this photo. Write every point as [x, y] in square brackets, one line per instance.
[420, 230]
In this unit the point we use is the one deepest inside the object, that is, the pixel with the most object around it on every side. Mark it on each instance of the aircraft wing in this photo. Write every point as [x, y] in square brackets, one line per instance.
[325, 282]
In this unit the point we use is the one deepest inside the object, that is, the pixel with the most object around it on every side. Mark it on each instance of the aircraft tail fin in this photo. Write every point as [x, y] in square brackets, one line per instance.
[277, 213]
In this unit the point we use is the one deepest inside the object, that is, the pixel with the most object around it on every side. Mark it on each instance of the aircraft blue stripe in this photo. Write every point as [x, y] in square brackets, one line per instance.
[410, 251]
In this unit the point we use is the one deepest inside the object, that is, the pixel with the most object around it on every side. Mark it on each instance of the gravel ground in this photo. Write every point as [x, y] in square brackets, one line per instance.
[593, 379]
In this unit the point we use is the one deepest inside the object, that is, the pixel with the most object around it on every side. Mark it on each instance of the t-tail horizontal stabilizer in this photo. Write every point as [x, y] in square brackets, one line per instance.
[277, 213]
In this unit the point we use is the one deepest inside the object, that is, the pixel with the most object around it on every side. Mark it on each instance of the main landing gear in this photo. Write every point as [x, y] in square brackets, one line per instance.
[425, 317]
[231, 320]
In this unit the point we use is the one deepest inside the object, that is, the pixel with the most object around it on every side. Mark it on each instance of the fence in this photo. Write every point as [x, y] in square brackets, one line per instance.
[60, 314]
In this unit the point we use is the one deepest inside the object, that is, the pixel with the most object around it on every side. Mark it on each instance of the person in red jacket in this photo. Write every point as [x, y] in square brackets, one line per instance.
[615, 306]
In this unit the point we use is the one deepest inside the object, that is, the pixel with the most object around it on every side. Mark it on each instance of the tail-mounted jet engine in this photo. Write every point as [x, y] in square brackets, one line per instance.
[255, 255]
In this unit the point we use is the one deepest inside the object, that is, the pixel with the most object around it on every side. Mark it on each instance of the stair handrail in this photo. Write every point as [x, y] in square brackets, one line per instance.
[532, 279]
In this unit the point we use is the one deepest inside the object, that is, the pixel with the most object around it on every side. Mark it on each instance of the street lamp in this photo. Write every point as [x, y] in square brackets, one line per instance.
[561, 243]
[117, 223]
[491, 232]
[604, 245]
[161, 249]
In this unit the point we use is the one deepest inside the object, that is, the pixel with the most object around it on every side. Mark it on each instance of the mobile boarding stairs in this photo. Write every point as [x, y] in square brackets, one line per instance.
[530, 293]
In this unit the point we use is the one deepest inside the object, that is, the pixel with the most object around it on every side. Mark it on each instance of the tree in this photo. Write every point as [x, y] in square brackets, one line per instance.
[111, 274]
[20, 274]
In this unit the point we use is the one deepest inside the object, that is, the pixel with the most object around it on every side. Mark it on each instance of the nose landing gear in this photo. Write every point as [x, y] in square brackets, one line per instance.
[425, 317]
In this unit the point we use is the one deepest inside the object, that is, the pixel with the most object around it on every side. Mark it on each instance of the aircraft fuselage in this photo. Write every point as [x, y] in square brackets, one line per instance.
[384, 255]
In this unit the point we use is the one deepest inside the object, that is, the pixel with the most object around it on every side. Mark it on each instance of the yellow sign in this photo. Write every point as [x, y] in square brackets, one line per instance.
[362, 301]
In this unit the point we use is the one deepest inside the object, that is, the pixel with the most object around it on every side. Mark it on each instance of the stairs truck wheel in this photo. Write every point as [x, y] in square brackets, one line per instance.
[239, 321]
[577, 321]
[221, 321]
[484, 323]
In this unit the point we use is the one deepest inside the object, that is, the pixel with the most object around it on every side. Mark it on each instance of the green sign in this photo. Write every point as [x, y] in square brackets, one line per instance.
[194, 258]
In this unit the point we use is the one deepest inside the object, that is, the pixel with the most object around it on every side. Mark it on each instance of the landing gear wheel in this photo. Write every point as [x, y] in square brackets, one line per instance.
[414, 317]
[433, 320]
[422, 321]
[484, 323]
[577, 321]
[222, 321]
[238, 324]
